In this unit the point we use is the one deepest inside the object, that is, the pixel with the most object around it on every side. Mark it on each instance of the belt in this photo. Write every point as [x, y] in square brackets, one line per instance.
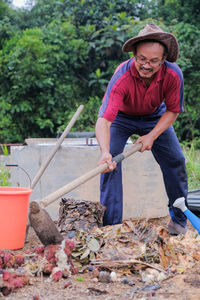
[136, 117]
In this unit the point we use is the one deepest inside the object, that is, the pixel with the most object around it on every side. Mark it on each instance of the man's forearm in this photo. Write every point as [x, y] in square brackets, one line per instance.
[102, 131]
[165, 122]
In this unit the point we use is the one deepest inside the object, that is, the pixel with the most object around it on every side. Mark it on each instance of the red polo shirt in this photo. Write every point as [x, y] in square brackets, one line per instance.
[128, 93]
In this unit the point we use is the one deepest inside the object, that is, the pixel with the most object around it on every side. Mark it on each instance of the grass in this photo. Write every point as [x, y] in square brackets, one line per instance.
[4, 176]
[4, 173]
[191, 151]
[192, 156]
[4, 150]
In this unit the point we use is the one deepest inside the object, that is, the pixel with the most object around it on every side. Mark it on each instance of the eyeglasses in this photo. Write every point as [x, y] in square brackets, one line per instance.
[151, 62]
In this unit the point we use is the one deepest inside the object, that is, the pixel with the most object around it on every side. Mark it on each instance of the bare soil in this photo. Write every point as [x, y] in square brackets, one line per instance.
[184, 286]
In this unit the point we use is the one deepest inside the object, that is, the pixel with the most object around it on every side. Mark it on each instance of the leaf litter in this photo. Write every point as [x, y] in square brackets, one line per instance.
[137, 249]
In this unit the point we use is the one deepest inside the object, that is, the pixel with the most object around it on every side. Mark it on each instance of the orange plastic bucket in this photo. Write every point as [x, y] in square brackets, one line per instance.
[14, 202]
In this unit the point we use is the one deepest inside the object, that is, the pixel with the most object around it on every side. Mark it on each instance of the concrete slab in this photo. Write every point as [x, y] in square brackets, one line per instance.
[144, 192]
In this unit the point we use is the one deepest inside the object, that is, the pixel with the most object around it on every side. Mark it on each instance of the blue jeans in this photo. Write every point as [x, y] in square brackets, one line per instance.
[167, 152]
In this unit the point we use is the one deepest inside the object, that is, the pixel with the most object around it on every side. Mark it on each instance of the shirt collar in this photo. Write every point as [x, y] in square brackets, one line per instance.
[159, 75]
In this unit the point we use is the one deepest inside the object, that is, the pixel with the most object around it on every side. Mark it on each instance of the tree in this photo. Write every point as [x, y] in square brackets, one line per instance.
[38, 89]
[188, 124]
[62, 53]
[175, 11]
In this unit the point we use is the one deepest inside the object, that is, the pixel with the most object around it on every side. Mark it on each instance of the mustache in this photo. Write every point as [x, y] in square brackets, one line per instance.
[149, 69]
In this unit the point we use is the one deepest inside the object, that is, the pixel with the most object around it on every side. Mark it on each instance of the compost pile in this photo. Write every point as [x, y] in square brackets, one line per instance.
[134, 253]
[139, 246]
[76, 214]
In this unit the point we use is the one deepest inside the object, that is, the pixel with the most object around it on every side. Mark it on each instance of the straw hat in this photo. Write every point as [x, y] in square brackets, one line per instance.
[153, 32]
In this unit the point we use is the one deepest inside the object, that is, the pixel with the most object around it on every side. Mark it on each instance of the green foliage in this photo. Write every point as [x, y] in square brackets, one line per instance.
[4, 176]
[86, 121]
[62, 53]
[41, 64]
[5, 22]
[175, 11]
[192, 155]
[4, 150]
[85, 12]
[188, 124]
[4, 173]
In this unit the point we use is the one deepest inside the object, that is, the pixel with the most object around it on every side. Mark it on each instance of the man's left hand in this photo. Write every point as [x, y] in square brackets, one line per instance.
[147, 142]
[165, 121]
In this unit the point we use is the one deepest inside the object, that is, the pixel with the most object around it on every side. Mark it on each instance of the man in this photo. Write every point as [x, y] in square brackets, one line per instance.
[144, 97]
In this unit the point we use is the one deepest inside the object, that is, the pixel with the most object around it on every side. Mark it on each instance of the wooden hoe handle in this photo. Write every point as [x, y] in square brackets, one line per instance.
[82, 179]
[57, 146]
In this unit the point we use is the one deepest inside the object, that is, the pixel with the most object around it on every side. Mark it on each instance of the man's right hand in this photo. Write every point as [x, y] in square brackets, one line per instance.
[106, 157]
[102, 131]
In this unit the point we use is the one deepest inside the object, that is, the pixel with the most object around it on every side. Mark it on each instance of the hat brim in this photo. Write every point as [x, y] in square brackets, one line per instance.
[165, 38]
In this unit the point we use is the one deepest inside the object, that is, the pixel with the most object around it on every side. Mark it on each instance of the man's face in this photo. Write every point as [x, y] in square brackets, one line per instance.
[149, 58]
